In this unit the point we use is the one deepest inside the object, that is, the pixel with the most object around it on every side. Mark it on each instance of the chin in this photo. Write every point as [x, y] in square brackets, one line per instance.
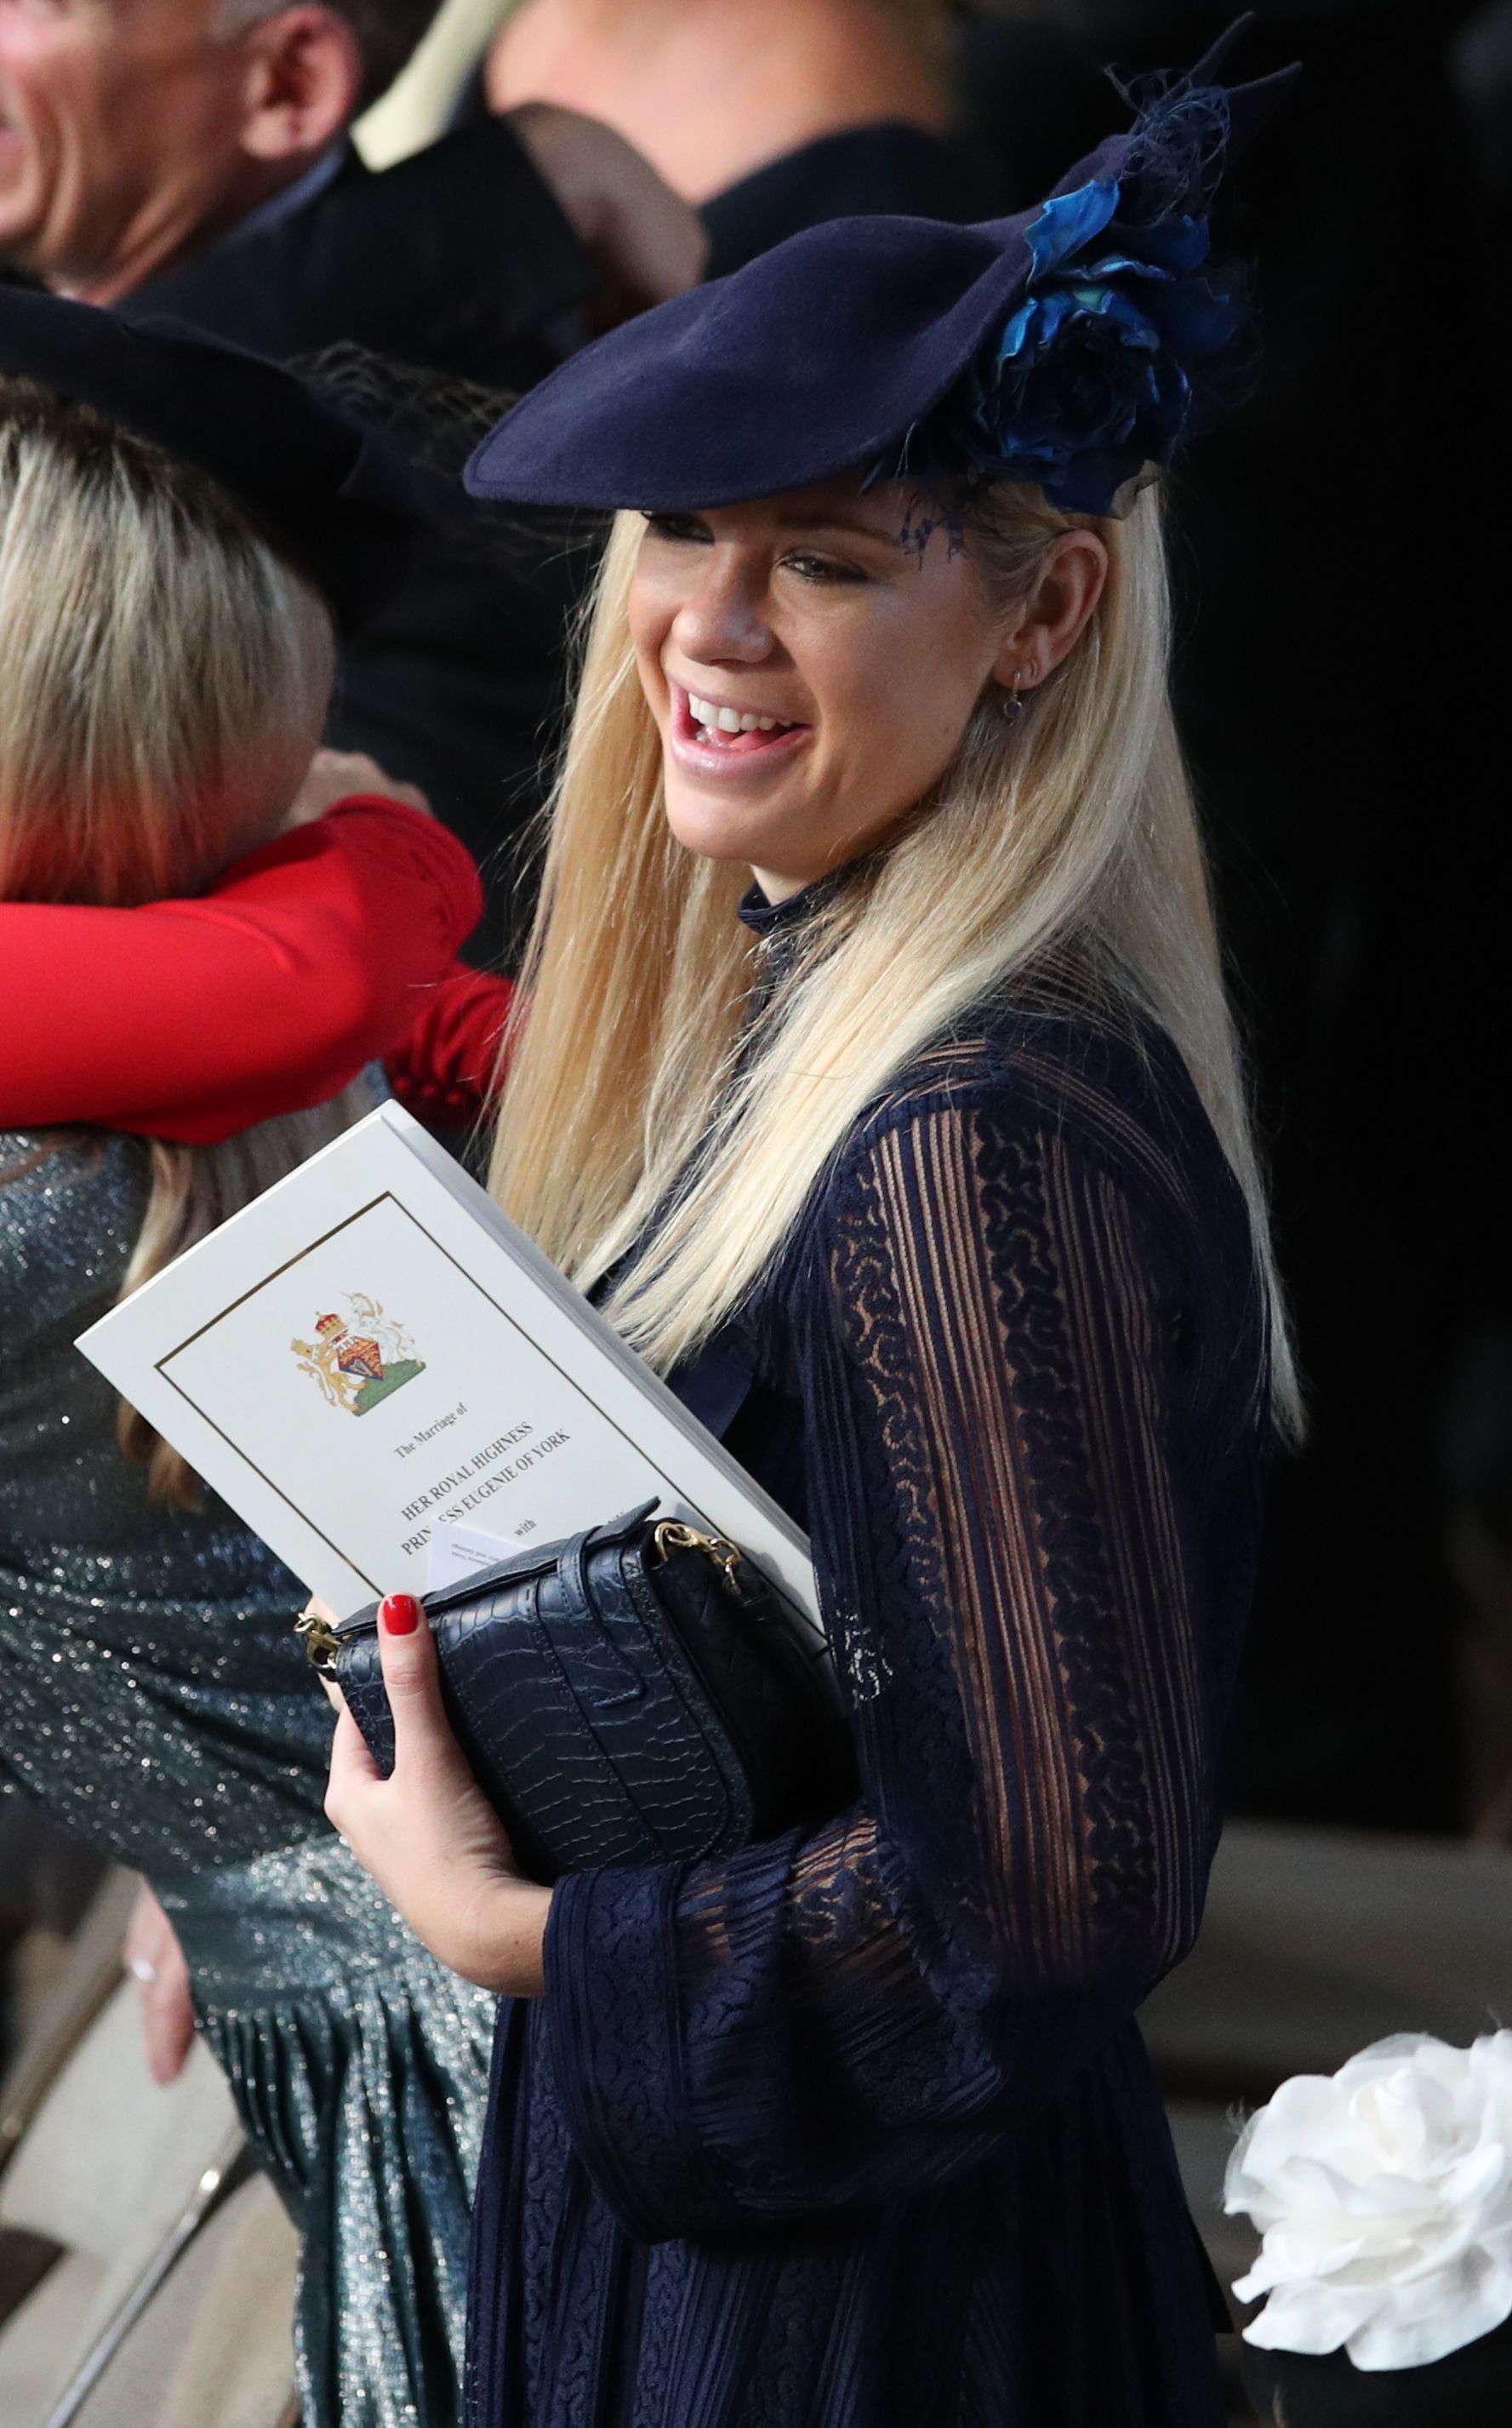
[716, 830]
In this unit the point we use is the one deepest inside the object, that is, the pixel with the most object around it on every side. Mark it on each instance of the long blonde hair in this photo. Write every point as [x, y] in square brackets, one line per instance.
[1073, 825]
[164, 675]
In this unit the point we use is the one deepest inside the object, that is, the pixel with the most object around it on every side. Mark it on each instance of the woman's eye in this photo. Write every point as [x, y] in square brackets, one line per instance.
[822, 569]
[678, 527]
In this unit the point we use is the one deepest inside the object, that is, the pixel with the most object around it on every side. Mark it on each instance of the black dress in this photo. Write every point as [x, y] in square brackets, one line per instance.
[855, 2129]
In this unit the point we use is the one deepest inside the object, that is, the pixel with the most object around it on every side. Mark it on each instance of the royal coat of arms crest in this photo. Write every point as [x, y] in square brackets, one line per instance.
[358, 1360]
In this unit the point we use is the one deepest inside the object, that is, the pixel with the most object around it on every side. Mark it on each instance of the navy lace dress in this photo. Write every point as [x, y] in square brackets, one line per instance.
[855, 2129]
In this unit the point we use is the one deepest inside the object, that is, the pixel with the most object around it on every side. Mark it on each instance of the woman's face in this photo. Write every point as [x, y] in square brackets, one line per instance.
[848, 662]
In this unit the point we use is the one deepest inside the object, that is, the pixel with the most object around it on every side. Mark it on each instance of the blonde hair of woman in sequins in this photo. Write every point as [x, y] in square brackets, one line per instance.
[165, 680]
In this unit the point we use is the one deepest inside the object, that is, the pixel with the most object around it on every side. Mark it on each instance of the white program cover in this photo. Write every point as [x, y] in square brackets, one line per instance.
[371, 1349]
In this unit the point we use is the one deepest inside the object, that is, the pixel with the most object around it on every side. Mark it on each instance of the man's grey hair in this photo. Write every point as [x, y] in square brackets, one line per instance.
[387, 32]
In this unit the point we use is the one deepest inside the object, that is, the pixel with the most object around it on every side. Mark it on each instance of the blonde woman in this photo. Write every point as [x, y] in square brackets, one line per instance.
[935, 1136]
[173, 518]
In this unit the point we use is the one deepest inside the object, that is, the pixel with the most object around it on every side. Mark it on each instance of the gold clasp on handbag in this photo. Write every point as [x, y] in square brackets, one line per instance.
[672, 1535]
[321, 1642]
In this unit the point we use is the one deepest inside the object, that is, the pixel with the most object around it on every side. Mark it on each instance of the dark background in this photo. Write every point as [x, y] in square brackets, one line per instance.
[1341, 547]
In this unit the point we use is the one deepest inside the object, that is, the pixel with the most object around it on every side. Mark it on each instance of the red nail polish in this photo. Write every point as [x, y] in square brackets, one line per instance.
[400, 1614]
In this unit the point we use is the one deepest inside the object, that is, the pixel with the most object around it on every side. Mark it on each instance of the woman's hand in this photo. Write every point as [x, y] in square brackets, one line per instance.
[336, 776]
[647, 242]
[155, 1960]
[428, 1835]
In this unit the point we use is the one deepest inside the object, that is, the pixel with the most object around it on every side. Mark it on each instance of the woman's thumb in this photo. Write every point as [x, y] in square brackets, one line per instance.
[412, 1679]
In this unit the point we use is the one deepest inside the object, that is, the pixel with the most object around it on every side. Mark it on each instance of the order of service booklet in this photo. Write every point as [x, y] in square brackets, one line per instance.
[371, 1351]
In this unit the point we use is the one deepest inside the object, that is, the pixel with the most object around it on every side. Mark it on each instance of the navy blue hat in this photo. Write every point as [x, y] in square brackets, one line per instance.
[1060, 346]
[336, 498]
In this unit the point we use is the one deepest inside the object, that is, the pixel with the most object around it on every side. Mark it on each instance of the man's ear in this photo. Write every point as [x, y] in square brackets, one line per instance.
[303, 82]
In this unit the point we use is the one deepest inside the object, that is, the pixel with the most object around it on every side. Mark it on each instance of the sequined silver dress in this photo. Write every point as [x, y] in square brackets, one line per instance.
[154, 1700]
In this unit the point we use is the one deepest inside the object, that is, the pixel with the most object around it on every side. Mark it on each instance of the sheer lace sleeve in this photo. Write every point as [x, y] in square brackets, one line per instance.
[1015, 1384]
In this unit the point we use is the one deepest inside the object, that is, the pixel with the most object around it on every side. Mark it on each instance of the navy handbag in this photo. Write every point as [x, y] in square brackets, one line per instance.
[638, 1695]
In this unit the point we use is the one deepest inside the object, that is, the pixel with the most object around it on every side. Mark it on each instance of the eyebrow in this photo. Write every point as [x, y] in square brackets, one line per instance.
[813, 518]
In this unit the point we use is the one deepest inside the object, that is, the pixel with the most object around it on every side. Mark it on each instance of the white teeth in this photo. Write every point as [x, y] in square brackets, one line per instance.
[712, 720]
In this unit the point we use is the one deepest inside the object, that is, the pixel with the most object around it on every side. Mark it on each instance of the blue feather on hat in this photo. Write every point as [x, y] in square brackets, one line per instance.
[1091, 379]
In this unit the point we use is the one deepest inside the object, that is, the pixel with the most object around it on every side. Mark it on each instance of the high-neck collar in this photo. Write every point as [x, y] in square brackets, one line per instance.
[771, 919]
[778, 929]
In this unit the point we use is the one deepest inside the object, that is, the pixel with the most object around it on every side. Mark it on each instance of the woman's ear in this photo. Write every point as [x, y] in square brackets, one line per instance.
[1070, 582]
[304, 81]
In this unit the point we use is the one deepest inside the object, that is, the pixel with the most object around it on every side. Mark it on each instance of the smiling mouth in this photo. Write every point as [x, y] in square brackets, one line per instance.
[729, 731]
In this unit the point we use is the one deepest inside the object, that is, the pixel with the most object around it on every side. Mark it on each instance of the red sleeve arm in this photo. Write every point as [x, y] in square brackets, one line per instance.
[192, 1020]
[444, 1072]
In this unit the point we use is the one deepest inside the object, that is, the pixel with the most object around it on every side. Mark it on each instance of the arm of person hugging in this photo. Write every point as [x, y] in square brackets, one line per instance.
[445, 1069]
[194, 1019]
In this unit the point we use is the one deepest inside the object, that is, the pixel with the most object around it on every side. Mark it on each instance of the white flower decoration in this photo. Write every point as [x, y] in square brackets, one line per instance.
[1384, 2195]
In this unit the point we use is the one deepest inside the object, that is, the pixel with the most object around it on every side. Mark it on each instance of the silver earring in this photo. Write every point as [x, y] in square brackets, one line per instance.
[1013, 705]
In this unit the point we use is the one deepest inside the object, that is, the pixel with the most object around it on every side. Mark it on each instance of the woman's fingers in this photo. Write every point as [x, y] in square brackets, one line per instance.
[427, 1834]
[155, 1963]
[336, 776]
[649, 242]
[425, 1751]
[351, 1762]
[412, 1680]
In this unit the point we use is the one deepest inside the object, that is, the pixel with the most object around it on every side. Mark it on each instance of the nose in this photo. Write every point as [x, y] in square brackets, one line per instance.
[721, 621]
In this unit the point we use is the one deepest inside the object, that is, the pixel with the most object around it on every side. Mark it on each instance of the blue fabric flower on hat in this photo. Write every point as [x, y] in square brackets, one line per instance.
[1091, 376]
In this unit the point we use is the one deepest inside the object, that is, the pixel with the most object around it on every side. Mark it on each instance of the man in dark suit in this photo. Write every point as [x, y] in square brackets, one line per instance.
[192, 156]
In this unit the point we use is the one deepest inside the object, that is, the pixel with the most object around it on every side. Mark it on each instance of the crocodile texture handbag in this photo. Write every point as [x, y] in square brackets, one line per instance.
[638, 1695]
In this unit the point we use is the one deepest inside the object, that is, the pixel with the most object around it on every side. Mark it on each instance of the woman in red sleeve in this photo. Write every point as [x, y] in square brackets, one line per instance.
[341, 934]
[193, 950]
